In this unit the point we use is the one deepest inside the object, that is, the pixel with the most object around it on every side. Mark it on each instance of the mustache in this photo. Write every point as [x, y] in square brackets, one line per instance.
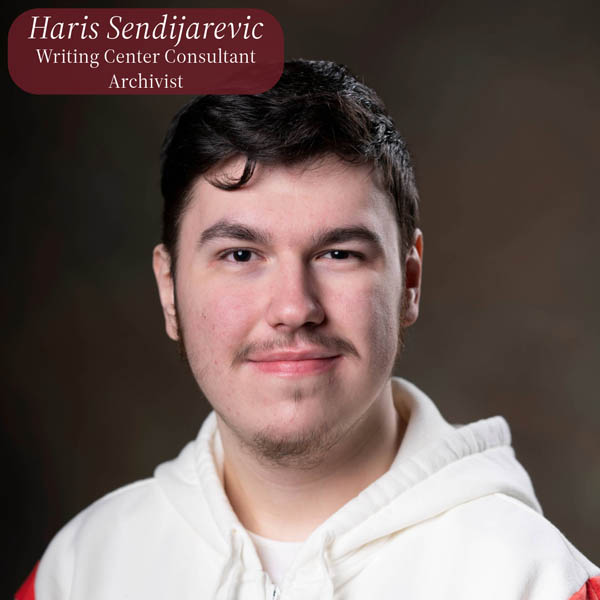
[330, 343]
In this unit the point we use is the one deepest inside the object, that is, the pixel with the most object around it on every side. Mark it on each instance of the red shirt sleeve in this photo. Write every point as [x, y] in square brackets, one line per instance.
[27, 590]
[590, 590]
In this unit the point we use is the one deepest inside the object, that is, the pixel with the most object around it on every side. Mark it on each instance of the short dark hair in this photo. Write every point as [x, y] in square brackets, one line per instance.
[316, 108]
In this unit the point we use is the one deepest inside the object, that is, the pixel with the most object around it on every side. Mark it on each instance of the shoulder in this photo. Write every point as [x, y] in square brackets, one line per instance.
[103, 529]
[124, 507]
[494, 547]
[500, 534]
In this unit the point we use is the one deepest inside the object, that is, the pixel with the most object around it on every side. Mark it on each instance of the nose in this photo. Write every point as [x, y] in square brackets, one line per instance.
[293, 301]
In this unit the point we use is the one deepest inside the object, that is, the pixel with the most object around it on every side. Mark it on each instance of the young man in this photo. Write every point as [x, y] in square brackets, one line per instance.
[290, 265]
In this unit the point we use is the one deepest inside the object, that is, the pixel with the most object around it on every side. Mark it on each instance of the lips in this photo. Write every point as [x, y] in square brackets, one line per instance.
[291, 355]
[295, 362]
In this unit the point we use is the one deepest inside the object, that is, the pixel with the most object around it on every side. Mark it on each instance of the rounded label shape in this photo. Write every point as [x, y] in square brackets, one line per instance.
[145, 51]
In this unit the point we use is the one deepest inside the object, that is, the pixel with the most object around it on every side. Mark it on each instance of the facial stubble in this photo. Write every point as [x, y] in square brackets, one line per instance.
[303, 450]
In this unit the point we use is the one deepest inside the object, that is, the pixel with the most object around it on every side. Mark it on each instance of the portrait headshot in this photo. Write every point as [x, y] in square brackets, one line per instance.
[332, 340]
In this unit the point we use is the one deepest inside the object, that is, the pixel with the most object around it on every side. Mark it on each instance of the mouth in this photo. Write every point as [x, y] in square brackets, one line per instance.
[289, 364]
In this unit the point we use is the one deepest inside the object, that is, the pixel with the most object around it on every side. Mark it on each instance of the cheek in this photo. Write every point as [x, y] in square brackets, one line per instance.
[385, 326]
[215, 322]
[370, 314]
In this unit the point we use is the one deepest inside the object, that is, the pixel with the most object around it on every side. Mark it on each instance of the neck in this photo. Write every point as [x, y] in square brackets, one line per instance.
[264, 495]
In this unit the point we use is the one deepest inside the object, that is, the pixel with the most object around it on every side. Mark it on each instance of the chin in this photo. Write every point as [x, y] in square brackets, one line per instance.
[301, 447]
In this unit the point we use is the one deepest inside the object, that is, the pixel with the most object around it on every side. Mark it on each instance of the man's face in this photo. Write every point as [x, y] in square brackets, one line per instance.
[288, 295]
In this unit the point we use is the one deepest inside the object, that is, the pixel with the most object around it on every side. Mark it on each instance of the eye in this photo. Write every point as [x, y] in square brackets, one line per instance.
[238, 255]
[341, 254]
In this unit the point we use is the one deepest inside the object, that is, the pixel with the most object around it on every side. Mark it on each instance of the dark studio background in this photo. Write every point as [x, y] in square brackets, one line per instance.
[500, 105]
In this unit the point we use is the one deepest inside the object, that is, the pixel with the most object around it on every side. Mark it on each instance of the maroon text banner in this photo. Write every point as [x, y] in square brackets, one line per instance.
[145, 51]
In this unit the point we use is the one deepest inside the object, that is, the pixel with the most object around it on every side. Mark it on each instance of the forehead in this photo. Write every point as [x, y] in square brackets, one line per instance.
[292, 202]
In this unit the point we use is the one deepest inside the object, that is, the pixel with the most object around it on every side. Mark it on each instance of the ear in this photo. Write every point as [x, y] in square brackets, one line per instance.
[161, 263]
[413, 270]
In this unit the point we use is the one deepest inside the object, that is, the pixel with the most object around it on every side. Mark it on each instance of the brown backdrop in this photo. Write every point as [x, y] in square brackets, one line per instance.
[499, 103]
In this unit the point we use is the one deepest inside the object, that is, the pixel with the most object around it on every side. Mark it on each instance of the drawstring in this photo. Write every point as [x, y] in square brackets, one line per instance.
[326, 591]
[230, 575]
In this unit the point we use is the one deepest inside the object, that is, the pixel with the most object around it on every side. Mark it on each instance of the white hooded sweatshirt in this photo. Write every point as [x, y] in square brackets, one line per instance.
[455, 517]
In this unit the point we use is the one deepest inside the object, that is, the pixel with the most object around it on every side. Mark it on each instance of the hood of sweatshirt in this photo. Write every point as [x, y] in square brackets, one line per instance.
[438, 467]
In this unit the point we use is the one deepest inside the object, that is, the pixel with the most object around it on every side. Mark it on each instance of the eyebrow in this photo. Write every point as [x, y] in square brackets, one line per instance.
[327, 237]
[237, 231]
[339, 235]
